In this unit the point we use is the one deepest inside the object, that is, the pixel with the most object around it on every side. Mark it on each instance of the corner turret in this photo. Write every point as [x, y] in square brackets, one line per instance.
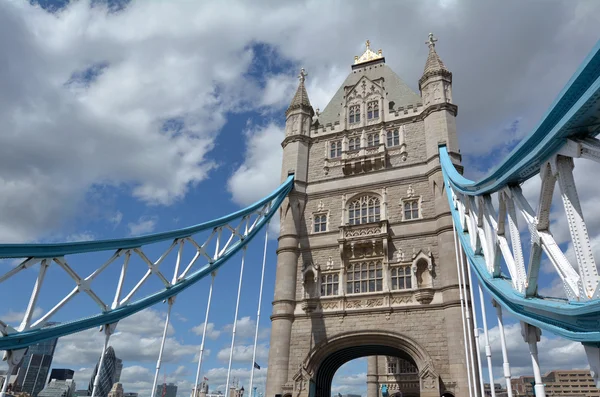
[439, 111]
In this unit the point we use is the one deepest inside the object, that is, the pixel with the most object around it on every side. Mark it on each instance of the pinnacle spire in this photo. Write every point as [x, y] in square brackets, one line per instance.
[300, 99]
[434, 63]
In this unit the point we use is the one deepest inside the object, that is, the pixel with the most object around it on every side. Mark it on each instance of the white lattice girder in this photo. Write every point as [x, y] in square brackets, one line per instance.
[238, 231]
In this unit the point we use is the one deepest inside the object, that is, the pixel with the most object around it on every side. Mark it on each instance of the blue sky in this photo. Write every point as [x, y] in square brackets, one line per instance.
[150, 116]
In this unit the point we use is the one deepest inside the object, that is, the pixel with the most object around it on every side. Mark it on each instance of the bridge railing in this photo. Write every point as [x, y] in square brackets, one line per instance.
[505, 240]
[142, 270]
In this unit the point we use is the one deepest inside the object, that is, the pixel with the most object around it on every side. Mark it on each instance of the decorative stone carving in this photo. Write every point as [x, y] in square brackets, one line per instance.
[329, 265]
[354, 304]
[321, 206]
[397, 300]
[366, 231]
[429, 378]
[399, 255]
[301, 380]
[295, 124]
[424, 296]
[374, 302]
[410, 192]
[329, 305]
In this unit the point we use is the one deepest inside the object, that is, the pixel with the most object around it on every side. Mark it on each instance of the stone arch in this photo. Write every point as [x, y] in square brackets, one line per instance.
[327, 357]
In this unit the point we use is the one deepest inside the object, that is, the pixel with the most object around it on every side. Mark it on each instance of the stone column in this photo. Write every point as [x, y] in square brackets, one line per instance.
[372, 377]
[284, 300]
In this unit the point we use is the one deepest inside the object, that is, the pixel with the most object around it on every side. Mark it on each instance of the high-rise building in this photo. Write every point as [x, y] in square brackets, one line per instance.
[118, 369]
[59, 388]
[61, 374]
[107, 374]
[34, 368]
[169, 390]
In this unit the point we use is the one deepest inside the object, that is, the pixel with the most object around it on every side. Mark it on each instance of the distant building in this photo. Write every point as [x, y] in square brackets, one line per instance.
[498, 389]
[107, 374]
[59, 388]
[34, 368]
[130, 394]
[116, 390]
[61, 374]
[81, 393]
[169, 390]
[571, 383]
[201, 390]
[118, 369]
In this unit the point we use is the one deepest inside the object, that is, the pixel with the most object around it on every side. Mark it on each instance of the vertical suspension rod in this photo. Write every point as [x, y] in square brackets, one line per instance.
[237, 306]
[212, 282]
[488, 349]
[108, 330]
[170, 301]
[505, 364]
[462, 313]
[260, 292]
[474, 354]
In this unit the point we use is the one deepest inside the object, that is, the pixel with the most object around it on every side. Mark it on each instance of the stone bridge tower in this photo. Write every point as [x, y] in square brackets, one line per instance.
[366, 260]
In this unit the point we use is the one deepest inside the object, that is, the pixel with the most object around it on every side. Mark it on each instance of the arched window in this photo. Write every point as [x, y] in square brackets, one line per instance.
[354, 114]
[401, 277]
[373, 110]
[373, 140]
[354, 143]
[364, 209]
[329, 284]
[335, 149]
[365, 277]
[393, 138]
[411, 209]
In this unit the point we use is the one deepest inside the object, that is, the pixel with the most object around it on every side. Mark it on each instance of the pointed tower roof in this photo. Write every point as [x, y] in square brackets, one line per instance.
[434, 65]
[300, 100]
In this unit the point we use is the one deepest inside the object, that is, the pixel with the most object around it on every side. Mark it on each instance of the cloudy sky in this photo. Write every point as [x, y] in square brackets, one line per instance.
[125, 118]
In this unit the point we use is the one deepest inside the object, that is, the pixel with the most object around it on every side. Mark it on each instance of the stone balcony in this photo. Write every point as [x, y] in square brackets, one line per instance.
[371, 237]
[364, 159]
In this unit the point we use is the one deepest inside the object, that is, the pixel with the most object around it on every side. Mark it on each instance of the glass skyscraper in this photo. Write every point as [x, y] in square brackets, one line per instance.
[169, 390]
[107, 374]
[34, 368]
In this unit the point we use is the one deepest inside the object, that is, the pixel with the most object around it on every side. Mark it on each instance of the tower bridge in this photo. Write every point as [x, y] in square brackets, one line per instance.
[382, 244]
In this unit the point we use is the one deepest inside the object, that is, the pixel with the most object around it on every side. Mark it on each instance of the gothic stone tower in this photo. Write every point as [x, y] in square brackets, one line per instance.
[366, 260]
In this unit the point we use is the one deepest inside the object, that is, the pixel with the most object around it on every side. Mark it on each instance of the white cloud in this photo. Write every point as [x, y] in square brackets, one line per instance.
[246, 328]
[554, 353]
[217, 377]
[144, 225]
[15, 318]
[136, 339]
[211, 332]
[244, 353]
[84, 236]
[260, 173]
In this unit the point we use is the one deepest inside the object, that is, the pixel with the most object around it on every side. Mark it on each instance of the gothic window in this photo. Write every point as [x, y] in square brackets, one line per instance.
[373, 110]
[411, 209]
[373, 140]
[364, 209]
[335, 149]
[393, 138]
[406, 367]
[320, 223]
[392, 366]
[354, 143]
[354, 114]
[364, 277]
[329, 284]
[401, 278]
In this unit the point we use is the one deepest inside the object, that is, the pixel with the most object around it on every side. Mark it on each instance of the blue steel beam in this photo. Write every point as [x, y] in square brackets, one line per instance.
[32, 336]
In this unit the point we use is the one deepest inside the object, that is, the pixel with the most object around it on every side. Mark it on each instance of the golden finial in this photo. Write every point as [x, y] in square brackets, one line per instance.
[431, 41]
[368, 55]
